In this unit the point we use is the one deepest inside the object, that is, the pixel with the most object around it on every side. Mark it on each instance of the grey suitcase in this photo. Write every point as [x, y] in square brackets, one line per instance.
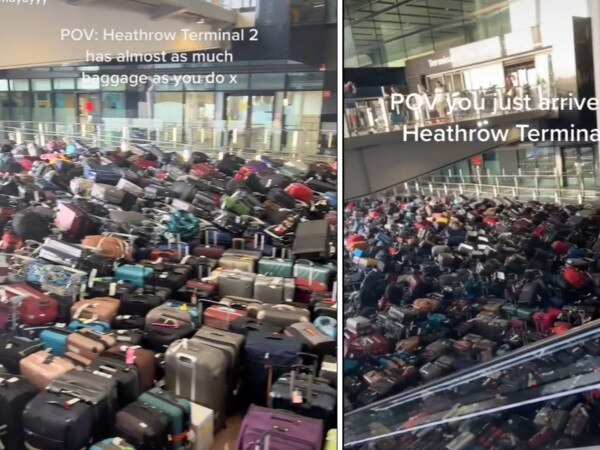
[231, 344]
[240, 302]
[197, 372]
[316, 341]
[108, 193]
[274, 290]
[236, 283]
[312, 239]
[282, 315]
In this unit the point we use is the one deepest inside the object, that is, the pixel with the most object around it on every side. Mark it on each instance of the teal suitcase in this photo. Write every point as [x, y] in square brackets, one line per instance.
[177, 409]
[276, 267]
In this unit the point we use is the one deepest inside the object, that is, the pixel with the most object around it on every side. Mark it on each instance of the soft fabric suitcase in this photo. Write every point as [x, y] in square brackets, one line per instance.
[319, 398]
[326, 325]
[41, 368]
[273, 289]
[57, 421]
[281, 315]
[35, 308]
[15, 393]
[196, 372]
[280, 428]
[143, 426]
[142, 359]
[127, 337]
[125, 375]
[242, 303]
[316, 341]
[176, 409]
[245, 325]
[236, 283]
[139, 303]
[266, 358]
[94, 325]
[312, 239]
[221, 316]
[115, 443]
[98, 391]
[107, 193]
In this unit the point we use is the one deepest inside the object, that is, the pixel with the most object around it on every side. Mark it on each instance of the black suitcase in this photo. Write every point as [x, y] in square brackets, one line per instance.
[127, 337]
[282, 198]
[139, 303]
[143, 426]
[312, 240]
[320, 186]
[94, 389]
[129, 321]
[230, 164]
[125, 375]
[15, 393]
[275, 181]
[171, 276]
[109, 288]
[58, 421]
[244, 325]
[14, 348]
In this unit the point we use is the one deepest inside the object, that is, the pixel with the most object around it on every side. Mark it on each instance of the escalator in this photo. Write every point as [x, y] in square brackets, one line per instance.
[542, 396]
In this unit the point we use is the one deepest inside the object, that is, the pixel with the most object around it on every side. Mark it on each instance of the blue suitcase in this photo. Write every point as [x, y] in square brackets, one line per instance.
[177, 409]
[55, 340]
[136, 275]
[112, 444]
[97, 325]
[331, 198]
[326, 325]
[267, 356]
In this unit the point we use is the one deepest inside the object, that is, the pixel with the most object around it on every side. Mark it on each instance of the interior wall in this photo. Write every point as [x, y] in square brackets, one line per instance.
[34, 32]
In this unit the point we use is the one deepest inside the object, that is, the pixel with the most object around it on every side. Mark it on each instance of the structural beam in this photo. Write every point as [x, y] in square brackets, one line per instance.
[205, 9]
[166, 12]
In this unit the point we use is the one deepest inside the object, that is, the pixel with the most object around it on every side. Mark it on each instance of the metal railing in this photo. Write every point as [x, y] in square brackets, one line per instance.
[384, 114]
[214, 137]
[537, 185]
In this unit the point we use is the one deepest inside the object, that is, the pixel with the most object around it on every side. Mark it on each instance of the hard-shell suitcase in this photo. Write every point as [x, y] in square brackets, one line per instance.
[274, 290]
[195, 371]
[242, 303]
[94, 325]
[176, 409]
[41, 368]
[143, 426]
[236, 283]
[245, 325]
[139, 303]
[89, 344]
[316, 341]
[74, 222]
[280, 428]
[281, 315]
[318, 397]
[266, 358]
[142, 359]
[137, 275]
[57, 421]
[104, 309]
[107, 193]
[130, 187]
[276, 267]
[127, 337]
[98, 391]
[233, 261]
[300, 192]
[312, 239]
[35, 308]
[54, 339]
[311, 272]
[221, 316]
[125, 375]
[326, 325]
[15, 393]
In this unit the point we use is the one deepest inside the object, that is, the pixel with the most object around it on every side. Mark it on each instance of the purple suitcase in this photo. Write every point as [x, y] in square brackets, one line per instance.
[264, 428]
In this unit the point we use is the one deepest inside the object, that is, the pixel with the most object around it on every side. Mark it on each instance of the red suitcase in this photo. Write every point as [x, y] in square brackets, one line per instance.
[363, 346]
[300, 192]
[220, 317]
[305, 290]
[36, 308]
[203, 171]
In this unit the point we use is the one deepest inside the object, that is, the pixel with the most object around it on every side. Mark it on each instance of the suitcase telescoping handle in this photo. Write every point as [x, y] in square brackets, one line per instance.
[310, 369]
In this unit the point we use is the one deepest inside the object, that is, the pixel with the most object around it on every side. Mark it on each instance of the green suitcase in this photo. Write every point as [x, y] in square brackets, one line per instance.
[177, 409]
[276, 267]
[235, 206]
[308, 270]
[513, 311]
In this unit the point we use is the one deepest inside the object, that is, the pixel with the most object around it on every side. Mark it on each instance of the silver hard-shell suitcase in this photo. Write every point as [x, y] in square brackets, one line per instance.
[236, 283]
[274, 290]
[197, 372]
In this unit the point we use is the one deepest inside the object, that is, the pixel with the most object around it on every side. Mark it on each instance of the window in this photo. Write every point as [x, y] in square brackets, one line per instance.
[3, 85]
[64, 84]
[88, 83]
[305, 81]
[267, 81]
[19, 85]
[41, 85]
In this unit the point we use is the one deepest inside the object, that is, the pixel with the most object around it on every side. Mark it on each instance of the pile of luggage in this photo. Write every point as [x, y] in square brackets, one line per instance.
[434, 286]
[146, 298]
